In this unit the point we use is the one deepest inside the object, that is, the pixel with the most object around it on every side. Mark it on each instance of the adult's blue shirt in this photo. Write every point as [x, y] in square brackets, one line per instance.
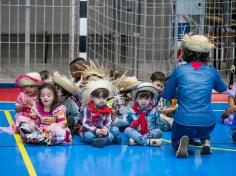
[194, 93]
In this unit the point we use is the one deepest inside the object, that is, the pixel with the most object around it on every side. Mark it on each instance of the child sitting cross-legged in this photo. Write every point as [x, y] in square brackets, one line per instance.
[96, 123]
[144, 119]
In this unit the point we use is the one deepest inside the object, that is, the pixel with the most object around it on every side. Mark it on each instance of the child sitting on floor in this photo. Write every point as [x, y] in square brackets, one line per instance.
[123, 102]
[96, 123]
[46, 123]
[165, 107]
[65, 90]
[144, 119]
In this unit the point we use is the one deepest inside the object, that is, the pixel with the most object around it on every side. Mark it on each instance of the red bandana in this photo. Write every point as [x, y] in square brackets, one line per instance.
[196, 65]
[141, 120]
[97, 112]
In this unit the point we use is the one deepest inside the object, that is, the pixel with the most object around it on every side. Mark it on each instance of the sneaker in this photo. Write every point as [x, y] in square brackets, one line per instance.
[206, 147]
[98, 142]
[117, 140]
[182, 151]
[132, 142]
[155, 142]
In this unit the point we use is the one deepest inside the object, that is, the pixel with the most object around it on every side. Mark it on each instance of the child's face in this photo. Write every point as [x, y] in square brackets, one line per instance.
[159, 85]
[47, 96]
[144, 99]
[75, 71]
[99, 101]
[31, 90]
[61, 97]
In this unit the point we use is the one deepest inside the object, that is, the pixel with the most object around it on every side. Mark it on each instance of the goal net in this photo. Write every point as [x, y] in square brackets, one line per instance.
[143, 36]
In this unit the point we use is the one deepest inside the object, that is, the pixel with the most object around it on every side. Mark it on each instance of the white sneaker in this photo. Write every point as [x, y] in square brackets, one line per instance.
[182, 151]
[132, 142]
[155, 142]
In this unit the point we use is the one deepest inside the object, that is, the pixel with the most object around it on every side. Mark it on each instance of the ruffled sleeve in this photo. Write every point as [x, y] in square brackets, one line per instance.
[59, 113]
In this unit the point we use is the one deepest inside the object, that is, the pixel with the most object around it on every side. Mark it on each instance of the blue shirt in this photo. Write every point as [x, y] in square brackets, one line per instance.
[194, 93]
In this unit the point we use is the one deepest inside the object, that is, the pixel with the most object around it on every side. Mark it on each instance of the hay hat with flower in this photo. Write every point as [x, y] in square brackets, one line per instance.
[145, 86]
[65, 83]
[93, 85]
[198, 43]
[29, 79]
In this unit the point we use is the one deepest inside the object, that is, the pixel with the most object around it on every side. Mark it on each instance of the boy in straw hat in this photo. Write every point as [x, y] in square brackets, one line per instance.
[65, 90]
[143, 118]
[194, 80]
[96, 123]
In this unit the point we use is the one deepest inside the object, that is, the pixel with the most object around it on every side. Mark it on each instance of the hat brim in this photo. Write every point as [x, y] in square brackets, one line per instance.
[26, 80]
[146, 88]
[131, 87]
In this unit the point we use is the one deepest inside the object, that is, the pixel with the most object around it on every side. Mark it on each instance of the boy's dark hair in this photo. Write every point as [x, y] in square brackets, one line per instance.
[158, 76]
[54, 90]
[193, 56]
[64, 92]
[145, 93]
[101, 92]
[45, 74]
[79, 60]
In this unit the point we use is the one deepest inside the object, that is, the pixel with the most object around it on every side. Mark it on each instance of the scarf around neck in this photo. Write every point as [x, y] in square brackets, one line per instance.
[96, 112]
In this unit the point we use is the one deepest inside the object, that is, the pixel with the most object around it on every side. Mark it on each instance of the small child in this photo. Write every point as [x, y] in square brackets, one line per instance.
[96, 124]
[25, 99]
[194, 80]
[165, 107]
[143, 118]
[123, 102]
[65, 90]
[47, 121]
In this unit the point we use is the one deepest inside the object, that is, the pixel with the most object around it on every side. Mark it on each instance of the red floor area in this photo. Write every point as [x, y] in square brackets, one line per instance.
[10, 94]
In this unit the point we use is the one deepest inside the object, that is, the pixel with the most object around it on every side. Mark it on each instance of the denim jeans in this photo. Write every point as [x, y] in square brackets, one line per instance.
[142, 139]
[200, 132]
[88, 136]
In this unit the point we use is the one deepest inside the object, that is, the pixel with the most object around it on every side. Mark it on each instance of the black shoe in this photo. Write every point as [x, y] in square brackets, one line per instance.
[25, 128]
[206, 147]
[182, 151]
[98, 142]
[117, 140]
[196, 142]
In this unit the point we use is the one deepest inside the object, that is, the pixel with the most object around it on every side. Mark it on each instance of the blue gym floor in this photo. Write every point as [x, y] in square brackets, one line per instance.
[81, 159]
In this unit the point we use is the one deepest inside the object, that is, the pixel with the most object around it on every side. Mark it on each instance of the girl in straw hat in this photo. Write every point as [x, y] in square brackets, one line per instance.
[194, 80]
[96, 124]
[143, 118]
[29, 82]
[65, 90]
[123, 102]
[47, 123]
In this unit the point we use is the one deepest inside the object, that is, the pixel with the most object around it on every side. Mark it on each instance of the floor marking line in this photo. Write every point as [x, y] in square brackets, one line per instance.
[21, 147]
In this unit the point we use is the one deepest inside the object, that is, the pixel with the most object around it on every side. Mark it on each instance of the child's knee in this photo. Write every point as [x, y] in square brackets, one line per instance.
[115, 131]
[128, 130]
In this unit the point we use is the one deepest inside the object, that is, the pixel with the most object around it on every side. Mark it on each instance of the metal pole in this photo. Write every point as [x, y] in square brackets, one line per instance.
[27, 35]
[137, 6]
[116, 25]
[72, 31]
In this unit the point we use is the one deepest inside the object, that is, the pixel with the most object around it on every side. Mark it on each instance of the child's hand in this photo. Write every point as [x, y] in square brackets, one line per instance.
[98, 132]
[104, 131]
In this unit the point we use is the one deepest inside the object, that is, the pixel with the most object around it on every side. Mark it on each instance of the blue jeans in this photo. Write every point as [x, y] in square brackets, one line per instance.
[191, 131]
[88, 136]
[142, 139]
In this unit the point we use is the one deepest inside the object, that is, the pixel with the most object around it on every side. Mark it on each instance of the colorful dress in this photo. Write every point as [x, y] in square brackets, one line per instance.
[48, 126]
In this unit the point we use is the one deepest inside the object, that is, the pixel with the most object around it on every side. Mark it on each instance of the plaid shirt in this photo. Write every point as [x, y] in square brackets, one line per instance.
[153, 118]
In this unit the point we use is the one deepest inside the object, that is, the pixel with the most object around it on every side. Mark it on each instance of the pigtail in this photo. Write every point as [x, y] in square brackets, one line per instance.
[231, 79]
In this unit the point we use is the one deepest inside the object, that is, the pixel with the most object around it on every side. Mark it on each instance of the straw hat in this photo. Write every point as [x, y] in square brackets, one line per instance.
[94, 85]
[145, 87]
[65, 83]
[128, 83]
[29, 79]
[198, 43]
